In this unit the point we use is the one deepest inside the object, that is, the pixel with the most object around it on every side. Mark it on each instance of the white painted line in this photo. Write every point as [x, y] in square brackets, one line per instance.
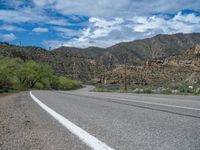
[152, 103]
[88, 139]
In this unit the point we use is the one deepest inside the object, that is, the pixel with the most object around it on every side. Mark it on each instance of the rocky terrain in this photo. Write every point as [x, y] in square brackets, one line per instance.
[73, 65]
[138, 51]
[148, 59]
[183, 68]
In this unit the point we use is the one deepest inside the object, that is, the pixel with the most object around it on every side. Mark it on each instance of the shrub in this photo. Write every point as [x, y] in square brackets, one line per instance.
[197, 91]
[39, 85]
[148, 91]
[18, 75]
[166, 91]
[67, 84]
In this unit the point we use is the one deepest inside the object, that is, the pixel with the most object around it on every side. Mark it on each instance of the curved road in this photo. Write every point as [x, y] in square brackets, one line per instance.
[129, 121]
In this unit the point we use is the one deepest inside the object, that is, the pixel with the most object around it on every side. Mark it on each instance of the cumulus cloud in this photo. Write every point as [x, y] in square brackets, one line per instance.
[104, 22]
[104, 33]
[40, 30]
[185, 23]
[7, 37]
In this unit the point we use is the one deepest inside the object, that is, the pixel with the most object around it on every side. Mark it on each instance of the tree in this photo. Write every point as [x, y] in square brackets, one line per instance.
[33, 72]
[8, 67]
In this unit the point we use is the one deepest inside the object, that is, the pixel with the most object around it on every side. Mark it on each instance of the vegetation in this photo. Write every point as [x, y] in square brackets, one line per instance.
[179, 89]
[86, 64]
[15, 74]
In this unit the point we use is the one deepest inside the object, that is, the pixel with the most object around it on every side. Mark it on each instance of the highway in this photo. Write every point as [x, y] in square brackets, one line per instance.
[125, 121]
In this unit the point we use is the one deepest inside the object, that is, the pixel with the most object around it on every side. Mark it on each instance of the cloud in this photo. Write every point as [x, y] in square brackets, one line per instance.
[52, 44]
[105, 33]
[64, 32]
[11, 28]
[30, 15]
[7, 37]
[40, 30]
[185, 23]
[84, 23]
[116, 8]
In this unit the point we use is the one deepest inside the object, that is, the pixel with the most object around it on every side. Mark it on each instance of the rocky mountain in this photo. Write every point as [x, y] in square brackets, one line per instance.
[178, 69]
[86, 64]
[73, 65]
[137, 52]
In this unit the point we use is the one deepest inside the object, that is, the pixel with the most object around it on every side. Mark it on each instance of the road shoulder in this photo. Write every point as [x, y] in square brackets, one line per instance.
[24, 125]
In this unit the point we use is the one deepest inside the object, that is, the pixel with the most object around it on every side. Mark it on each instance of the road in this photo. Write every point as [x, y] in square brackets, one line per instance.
[129, 121]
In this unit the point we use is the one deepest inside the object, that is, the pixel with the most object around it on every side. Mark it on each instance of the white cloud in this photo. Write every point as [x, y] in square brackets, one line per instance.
[40, 30]
[52, 44]
[185, 23]
[30, 15]
[101, 32]
[64, 32]
[8, 37]
[106, 32]
[86, 7]
[11, 28]
[110, 21]
[116, 8]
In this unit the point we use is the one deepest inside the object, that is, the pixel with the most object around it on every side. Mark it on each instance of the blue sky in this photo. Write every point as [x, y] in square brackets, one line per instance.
[102, 23]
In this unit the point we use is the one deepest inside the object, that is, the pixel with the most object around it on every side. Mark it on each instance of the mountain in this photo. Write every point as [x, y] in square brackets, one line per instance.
[178, 69]
[137, 52]
[88, 63]
[73, 65]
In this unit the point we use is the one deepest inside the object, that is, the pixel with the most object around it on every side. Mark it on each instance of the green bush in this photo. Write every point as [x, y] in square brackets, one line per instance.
[16, 74]
[148, 91]
[39, 85]
[67, 84]
[197, 91]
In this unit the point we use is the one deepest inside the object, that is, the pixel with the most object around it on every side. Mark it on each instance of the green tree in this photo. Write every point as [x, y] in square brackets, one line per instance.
[33, 72]
[8, 71]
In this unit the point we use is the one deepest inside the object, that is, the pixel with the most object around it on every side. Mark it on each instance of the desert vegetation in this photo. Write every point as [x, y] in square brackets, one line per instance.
[167, 89]
[16, 75]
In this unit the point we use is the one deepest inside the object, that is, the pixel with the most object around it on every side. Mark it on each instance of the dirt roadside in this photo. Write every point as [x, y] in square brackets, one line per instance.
[24, 125]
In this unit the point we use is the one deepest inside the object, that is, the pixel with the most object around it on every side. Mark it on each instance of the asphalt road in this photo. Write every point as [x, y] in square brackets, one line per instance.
[130, 121]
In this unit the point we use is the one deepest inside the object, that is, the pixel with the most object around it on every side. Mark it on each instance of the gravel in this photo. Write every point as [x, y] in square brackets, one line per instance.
[24, 125]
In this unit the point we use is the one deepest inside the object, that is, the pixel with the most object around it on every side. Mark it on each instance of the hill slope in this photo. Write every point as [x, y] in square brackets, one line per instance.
[86, 64]
[178, 69]
[138, 51]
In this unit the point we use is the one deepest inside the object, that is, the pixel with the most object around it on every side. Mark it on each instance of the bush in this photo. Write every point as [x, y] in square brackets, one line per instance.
[184, 89]
[67, 84]
[197, 91]
[148, 91]
[39, 85]
[166, 91]
[18, 75]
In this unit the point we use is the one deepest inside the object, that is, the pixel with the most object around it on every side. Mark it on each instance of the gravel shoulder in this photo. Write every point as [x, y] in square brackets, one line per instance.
[24, 125]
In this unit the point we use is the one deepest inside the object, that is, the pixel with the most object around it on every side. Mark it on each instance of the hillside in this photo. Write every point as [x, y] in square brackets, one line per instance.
[86, 64]
[139, 51]
[73, 65]
[178, 69]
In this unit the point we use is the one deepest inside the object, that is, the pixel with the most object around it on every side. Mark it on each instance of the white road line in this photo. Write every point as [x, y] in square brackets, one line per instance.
[88, 139]
[152, 103]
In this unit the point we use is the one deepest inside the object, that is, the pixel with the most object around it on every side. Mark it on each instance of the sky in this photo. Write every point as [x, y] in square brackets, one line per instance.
[102, 23]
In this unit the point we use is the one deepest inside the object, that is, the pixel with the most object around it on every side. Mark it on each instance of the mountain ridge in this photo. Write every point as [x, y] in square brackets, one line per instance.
[138, 51]
[86, 64]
